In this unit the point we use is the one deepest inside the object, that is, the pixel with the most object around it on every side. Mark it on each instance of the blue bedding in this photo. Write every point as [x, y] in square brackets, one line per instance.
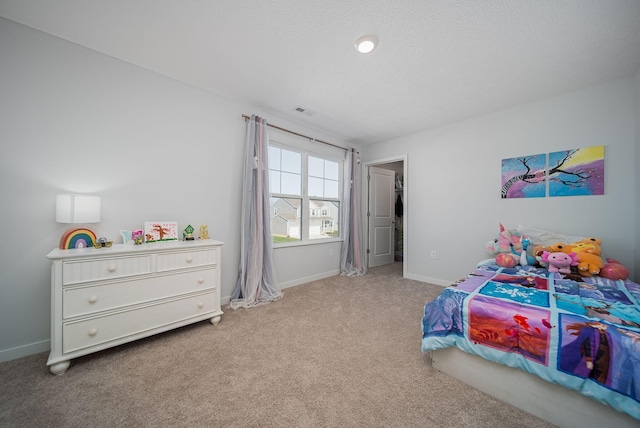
[583, 333]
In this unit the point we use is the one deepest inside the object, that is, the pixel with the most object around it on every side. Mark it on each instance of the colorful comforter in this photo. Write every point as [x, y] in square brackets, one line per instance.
[583, 333]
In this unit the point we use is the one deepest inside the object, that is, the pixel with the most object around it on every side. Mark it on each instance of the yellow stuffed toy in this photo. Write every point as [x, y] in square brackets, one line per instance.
[589, 255]
[588, 252]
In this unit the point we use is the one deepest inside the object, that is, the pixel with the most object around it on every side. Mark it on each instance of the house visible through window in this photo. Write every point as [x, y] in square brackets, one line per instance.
[305, 195]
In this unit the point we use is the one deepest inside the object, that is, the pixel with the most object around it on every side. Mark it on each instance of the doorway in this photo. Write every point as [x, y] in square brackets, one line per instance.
[385, 211]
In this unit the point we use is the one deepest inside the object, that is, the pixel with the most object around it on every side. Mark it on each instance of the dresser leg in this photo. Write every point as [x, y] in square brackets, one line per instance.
[60, 368]
[215, 320]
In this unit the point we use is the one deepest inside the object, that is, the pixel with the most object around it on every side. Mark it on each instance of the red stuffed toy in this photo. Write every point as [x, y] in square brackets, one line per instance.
[614, 270]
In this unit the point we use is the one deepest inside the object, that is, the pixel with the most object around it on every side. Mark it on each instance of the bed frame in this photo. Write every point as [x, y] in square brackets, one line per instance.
[553, 403]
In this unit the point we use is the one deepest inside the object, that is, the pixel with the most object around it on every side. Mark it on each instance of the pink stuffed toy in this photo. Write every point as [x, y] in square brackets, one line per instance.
[560, 262]
[614, 270]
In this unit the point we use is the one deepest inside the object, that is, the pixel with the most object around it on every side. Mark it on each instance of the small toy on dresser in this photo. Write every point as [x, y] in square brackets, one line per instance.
[102, 243]
[187, 234]
[137, 236]
[126, 237]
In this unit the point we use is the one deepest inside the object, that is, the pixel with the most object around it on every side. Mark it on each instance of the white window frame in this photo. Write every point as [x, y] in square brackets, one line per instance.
[306, 214]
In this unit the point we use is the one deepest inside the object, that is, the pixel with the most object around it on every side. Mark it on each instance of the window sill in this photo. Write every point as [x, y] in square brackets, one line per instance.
[306, 243]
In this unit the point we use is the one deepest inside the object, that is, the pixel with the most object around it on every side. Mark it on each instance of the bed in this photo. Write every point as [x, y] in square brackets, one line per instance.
[568, 333]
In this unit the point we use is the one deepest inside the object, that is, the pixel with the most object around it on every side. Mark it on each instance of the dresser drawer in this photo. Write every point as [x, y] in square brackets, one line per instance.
[118, 326]
[187, 259]
[75, 272]
[78, 301]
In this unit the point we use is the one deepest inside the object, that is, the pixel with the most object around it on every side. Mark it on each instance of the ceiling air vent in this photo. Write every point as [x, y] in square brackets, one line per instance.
[304, 111]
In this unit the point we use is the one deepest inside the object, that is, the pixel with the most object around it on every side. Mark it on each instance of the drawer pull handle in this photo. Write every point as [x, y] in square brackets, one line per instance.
[200, 280]
[93, 299]
[111, 268]
[200, 305]
[93, 331]
[189, 259]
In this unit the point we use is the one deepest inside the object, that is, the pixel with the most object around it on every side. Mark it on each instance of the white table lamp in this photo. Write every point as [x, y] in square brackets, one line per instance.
[73, 209]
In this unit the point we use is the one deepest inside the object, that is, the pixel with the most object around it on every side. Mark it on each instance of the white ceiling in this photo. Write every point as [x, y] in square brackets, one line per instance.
[438, 61]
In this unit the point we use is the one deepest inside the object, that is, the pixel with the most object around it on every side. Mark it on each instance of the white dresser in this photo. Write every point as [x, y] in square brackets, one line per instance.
[103, 297]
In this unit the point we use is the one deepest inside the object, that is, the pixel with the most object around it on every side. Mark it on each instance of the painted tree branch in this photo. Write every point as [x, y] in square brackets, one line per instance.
[527, 177]
[573, 179]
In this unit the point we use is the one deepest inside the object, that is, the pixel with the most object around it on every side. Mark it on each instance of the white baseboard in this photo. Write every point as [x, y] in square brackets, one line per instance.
[225, 300]
[436, 281]
[306, 279]
[25, 350]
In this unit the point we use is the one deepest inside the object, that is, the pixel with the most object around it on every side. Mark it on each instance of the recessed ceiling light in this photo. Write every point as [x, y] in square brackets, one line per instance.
[366, 44]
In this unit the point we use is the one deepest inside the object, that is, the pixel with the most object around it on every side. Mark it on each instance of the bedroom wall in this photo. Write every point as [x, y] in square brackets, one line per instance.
[453, 179]
[74, 120]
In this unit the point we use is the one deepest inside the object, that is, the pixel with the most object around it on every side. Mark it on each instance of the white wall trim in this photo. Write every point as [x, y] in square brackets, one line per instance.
[436, 281]
[299, 281]
[25, 350]
[364, 190]
[316, 277]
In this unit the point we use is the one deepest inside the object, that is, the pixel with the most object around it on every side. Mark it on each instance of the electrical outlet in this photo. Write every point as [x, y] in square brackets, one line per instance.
[434, 254]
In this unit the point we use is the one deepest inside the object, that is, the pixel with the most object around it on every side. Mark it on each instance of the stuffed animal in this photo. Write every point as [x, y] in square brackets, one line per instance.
[614, 270]
[506, 260]
[539, 250]
[523, 258]
[589, 260]
[588, 245]
[504, 246]
[558, 247]
[559, 261]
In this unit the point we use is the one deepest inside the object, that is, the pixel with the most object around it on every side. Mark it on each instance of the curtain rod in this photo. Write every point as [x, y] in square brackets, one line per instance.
[313, 140]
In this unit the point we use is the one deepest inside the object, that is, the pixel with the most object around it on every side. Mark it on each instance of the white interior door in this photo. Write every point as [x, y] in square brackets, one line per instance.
[381, 214]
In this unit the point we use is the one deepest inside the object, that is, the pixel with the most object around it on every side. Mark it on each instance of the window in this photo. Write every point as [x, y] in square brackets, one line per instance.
[305, 195]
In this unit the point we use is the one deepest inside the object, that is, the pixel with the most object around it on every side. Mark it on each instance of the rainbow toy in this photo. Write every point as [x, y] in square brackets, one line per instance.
[77, 238]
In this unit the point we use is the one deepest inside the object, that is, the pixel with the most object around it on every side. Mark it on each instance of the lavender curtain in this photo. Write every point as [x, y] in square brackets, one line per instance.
[256, 285]
[351, 256]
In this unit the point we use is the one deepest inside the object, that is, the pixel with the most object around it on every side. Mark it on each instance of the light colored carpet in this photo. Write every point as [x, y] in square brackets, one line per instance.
[335, 352]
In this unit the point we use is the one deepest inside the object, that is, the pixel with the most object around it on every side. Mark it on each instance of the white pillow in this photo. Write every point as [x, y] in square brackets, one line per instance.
[545, 237]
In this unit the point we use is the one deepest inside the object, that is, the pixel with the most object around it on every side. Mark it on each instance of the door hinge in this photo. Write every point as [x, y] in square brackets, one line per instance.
[368, 251]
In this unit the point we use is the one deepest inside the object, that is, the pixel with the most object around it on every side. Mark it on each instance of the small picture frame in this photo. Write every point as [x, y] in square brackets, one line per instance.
[160, 231]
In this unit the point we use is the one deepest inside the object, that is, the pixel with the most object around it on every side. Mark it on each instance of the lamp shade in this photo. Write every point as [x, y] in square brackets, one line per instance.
[78, 209]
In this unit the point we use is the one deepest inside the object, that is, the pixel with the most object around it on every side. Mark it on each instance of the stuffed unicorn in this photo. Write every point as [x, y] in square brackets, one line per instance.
[504, 245]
